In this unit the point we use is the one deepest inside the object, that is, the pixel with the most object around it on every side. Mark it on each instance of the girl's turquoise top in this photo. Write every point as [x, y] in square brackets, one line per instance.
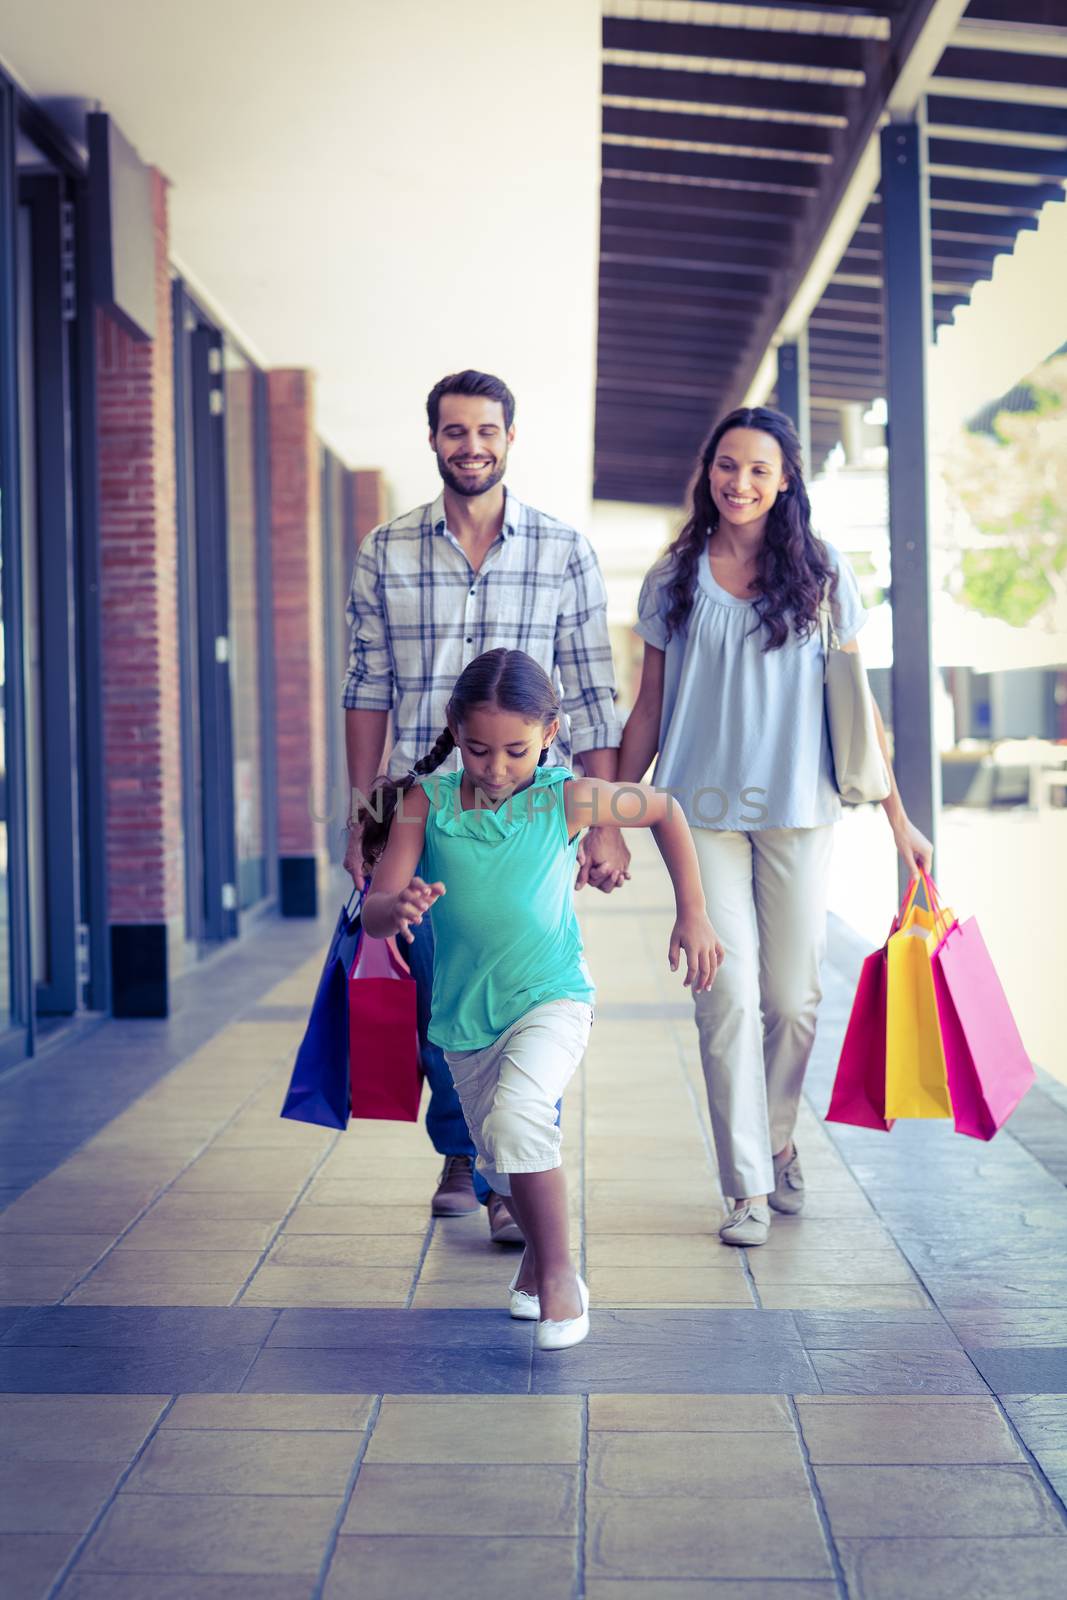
[506, 934]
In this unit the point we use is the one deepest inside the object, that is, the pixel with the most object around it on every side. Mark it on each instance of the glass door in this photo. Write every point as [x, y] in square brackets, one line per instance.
[46, 312]
[206, 643]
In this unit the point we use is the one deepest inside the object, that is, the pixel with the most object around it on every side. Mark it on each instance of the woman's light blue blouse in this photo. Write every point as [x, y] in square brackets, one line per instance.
[743, 737]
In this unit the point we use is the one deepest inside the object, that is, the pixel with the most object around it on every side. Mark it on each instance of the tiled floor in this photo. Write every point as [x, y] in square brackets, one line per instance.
[236, 1360]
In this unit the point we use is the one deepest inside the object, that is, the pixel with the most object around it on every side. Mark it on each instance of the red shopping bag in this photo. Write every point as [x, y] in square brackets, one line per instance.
[986, 1062]
[859, 1088]
[383, 1048]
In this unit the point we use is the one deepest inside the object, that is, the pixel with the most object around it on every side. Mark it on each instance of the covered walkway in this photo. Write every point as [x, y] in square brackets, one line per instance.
[236, 1361]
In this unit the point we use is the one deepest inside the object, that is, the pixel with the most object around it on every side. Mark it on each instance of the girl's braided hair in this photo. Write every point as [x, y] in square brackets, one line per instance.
[508, 679]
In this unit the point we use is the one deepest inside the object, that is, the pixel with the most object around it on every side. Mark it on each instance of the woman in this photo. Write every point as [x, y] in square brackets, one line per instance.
[731, 698]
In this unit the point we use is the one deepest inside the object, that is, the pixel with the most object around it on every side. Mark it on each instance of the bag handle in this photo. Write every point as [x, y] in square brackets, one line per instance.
[827, 627]
[933, 900]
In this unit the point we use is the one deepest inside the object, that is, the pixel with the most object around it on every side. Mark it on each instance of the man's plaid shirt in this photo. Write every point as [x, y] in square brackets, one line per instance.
[418, 614]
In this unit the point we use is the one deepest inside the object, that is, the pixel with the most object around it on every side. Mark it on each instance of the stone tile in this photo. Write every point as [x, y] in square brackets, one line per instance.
[329, 1286]
[466, 1500]
[689, 1413]
[90, 1369]
[108, 1293]
[452, 1294]
[896, 1372]
[212, 1534]
[503, 1369]
[518, 1430]
[707, 1589]
[298, 1413]
[377, 1567]
[709, 1327]
[131, 1586]
[921, 1431]
[352, 1193]
[687, 1250]
[134, 1268]
[990, 1329]
[350, 1251]
[234, 1170]
[101, 1428]
[831, 1266]
[29, 1562]
[843, 1297]
[720, 1466]
[653, 1218]
[1040, 1418]
[917, 1331]
[53, 1496]
[951, 1569]
[223, 1461]
[1029, 1369]
[741, 1368]
[720, 1285]
[268, 1204]
[53, 1249]
[36, 1283]
[650, 1537]
[968, 1292]
[143, 1326]
[165, 1233]
[372, 1219]
[918, 1502]
[348, 1329]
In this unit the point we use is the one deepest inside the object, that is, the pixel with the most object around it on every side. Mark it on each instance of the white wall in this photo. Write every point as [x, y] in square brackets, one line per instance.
[383, 190]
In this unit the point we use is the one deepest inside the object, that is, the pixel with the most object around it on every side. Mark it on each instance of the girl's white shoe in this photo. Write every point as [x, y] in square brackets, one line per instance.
[524, 1307]
[572, 1330]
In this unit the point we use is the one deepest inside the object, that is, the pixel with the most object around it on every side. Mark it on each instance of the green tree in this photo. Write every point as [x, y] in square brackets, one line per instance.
[1012, 484]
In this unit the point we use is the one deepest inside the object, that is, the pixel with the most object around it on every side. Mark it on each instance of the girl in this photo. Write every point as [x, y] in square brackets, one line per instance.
[732, 699]
[492, 848]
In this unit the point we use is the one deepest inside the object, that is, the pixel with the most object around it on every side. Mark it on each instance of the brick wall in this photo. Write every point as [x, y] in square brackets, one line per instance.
[296, 554]
[139, 598]
[367, 504]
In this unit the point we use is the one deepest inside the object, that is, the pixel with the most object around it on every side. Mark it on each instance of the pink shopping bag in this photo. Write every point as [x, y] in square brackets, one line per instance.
[383, 1047]
[859, 1087]
[988, 1068]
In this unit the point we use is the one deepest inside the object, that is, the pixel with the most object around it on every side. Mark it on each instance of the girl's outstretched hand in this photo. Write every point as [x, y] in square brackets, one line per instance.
[704, 954]
[411, 904]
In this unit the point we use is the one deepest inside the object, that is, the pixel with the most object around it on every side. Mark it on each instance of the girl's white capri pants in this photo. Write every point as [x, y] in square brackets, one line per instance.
[509, 1089]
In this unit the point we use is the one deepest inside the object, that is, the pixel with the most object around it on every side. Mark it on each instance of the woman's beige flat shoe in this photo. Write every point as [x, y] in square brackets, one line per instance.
[748, 1224]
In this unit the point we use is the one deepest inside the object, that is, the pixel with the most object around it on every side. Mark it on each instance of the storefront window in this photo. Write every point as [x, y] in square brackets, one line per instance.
[244, 626]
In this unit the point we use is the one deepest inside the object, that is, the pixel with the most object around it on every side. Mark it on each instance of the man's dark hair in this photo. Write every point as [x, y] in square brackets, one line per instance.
[482, 384]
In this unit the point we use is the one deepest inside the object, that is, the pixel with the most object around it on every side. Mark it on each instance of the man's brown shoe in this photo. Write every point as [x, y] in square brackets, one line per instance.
[454, 1195]
[503, 1229]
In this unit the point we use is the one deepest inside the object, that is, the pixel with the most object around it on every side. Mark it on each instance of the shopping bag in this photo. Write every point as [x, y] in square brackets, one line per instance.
[318, 1089]
[986, 1062]
[916, 1082]
[859, 1087]
[383, 1047]
[858, 1095]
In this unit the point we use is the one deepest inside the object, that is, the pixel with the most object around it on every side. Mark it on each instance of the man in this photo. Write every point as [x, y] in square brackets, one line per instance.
[431, 590]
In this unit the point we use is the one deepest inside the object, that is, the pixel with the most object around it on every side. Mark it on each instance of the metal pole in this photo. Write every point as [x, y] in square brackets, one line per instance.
[794, 390]
[908, 313]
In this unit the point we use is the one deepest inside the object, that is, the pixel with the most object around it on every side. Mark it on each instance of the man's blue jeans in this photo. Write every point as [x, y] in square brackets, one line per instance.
[444, 1115]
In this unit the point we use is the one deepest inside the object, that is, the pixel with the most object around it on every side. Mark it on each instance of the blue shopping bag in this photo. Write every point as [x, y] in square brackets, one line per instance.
[319, 1090]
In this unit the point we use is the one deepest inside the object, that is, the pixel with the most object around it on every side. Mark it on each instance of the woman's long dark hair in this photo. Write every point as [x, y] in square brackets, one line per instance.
[794, 566]
[508, 679]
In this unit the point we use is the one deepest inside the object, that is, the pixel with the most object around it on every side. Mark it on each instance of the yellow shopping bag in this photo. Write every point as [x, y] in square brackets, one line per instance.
[916, 1083]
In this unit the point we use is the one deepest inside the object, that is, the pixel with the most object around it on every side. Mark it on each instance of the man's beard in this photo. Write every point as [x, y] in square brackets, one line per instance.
[467, 488]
